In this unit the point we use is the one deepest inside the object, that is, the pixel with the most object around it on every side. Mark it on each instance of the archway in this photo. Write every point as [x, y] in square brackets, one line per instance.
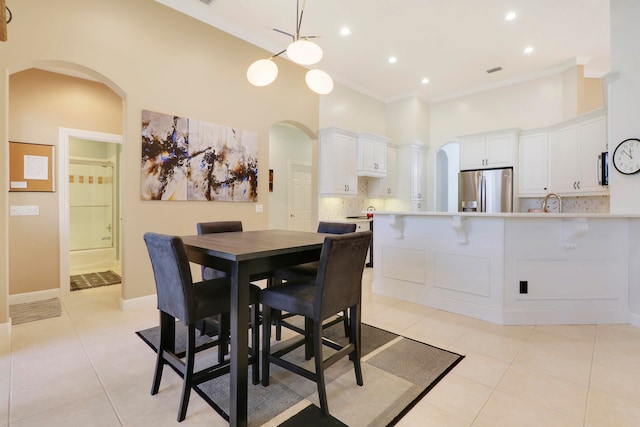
[447, 166]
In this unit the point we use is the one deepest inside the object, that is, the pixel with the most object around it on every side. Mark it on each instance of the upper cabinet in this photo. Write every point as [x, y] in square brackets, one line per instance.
[532, 165]
[372, 155]
[386, 187]
[338, 162]
[412, 180]
[573, 154]
[489, 150]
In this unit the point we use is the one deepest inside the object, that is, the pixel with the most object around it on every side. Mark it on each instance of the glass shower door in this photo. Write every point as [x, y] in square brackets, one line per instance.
[91, 205]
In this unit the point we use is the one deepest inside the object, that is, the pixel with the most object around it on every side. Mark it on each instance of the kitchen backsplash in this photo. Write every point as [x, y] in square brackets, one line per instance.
[592, 204]
[342, 207]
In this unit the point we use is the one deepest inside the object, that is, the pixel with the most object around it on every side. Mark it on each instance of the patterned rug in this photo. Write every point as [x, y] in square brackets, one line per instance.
[397, 373]
[94, 280]
[32, 311]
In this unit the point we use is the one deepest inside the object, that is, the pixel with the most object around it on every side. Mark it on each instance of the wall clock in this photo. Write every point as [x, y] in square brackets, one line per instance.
[626, 157]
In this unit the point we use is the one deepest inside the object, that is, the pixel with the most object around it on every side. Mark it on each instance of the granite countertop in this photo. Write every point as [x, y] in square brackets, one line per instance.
[549, 215]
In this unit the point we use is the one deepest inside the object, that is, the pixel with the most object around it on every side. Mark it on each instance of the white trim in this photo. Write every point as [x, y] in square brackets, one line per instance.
[149, 301]
[64, 134]
[34, 296]
[634, 319]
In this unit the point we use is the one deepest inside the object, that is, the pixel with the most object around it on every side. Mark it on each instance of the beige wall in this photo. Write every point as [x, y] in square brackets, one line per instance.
[40, 103]
[160, 60]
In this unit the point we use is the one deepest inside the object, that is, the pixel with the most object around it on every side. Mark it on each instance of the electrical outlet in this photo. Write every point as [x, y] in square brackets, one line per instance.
[24, 210]
[524, 287]
[259, 208]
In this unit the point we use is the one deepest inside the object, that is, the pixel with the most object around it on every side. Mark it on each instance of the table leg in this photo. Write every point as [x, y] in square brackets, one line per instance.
[239, 346]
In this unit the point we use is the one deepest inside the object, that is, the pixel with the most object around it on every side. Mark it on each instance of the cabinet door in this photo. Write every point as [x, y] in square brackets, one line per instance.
[418, 157]
[533, 170]
[372, 153]
[563, 160]
[387, 186]
[472, 153]
[592, 139]
[338, 165]
[499, 150]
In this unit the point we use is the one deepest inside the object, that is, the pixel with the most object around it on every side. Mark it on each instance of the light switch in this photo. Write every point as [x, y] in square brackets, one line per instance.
[24, 210]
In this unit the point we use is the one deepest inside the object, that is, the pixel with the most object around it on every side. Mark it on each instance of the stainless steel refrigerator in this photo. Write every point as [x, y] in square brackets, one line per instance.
[489, 190]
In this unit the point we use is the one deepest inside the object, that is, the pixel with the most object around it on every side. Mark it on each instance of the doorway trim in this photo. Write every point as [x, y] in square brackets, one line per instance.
[64, 135]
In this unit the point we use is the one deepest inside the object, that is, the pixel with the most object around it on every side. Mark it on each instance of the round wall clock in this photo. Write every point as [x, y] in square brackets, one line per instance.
[626, 157]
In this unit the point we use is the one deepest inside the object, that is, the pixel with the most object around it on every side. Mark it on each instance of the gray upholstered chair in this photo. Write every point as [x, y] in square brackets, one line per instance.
[308, 270]
[336, 287]
[216, 227]
[180, 298]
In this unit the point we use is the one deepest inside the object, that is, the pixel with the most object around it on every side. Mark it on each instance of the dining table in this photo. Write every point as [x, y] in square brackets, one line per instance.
[245, 256]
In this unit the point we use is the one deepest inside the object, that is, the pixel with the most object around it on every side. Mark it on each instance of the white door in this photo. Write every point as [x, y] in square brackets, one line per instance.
[299, 197]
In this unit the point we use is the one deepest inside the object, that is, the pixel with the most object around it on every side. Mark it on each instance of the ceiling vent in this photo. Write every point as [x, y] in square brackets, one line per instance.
[493, 70]
[206, 1]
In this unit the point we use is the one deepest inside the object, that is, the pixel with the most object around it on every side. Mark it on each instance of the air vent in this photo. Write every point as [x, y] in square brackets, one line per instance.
[206, 1]
[493, 70]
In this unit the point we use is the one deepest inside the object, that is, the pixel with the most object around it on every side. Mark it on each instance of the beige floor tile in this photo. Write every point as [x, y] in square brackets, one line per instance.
[556, 394]
[553, 363]
[95, 411]
[617, 382]
[482, 369]
[605, 410]
[518, 333]
[502, 410]
[435, 332]
[427, 415]
[459, 396]
[491, 345]
[585, 333]
[621, 355]
[617, 333]
[576, 349]
[393, 319]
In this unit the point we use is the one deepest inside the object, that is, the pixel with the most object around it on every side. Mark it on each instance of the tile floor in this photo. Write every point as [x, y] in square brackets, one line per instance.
[88, 368]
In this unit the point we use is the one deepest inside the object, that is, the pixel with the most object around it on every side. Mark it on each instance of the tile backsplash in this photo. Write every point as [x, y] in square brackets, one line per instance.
[342, 207]
[580, 204]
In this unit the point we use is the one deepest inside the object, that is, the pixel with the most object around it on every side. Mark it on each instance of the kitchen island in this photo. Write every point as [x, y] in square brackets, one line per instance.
[512, 268]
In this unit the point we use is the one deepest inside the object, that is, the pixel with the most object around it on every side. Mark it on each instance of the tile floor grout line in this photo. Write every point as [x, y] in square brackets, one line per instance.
[93, 366]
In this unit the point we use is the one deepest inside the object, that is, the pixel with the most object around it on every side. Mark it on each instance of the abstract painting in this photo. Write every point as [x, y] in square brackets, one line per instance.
[186, 159]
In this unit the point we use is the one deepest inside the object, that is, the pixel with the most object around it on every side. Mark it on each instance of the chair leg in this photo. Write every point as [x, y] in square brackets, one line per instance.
[167, 343]
[266, 343]
[345, 322]
[277, 320]
[319, 364]
[224, 326]
[187, 382]
[255, 343]
[354, 338]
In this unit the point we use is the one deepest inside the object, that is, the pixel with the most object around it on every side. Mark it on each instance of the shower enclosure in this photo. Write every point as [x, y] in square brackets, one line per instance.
[91, 216]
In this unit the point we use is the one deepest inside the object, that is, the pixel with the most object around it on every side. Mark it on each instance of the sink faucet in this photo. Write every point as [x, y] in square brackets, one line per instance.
[546, 199]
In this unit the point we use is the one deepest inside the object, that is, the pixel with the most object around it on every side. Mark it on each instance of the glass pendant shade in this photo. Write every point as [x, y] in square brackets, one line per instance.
[304, 52]
[319, 82]
[262, 72]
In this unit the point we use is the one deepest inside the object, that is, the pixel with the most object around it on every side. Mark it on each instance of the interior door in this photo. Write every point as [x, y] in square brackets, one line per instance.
[299, 197]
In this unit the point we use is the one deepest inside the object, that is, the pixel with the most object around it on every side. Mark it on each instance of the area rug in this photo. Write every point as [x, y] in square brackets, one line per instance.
[397, 373]
[32, 311]
[94, 280]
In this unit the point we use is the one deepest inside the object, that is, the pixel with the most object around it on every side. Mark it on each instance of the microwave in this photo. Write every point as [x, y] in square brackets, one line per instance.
[603, 168]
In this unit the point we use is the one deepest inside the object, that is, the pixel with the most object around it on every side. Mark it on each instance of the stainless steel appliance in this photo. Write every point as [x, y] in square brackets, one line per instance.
[603, 168]
[488, 190]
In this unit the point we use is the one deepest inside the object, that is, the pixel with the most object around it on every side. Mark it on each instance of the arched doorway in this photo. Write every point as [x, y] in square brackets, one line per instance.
[447, 166]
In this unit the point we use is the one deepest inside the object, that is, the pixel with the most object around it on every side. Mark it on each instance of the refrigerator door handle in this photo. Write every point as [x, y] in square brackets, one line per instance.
[482, 194]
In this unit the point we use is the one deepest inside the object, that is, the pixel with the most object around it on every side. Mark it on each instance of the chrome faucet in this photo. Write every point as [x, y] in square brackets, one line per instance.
[546, 199]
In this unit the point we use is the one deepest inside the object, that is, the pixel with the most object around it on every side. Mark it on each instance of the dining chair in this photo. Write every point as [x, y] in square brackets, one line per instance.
[180, 298]
[336, 287]
[308, 270]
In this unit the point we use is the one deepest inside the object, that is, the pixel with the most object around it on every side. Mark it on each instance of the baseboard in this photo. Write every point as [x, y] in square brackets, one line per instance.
[34, 296]
[634, 319]
[149, 301]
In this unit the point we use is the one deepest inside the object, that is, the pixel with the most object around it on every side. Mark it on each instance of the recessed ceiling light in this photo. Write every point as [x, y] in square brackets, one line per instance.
[345, 31]
[510, 16]
[393, 60]
[528, 50]
[425, 81]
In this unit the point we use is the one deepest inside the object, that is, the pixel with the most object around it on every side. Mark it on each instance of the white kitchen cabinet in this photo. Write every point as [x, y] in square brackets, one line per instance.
[573, 156]
[411, 176]
[386, 187]
[489, 150]
[372, 155]
[338, 162]
[533, 164]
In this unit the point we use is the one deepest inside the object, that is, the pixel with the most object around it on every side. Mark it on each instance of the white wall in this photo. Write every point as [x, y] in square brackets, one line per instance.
[348, 109]
[286, 144]
[527, 105]
[624, 101]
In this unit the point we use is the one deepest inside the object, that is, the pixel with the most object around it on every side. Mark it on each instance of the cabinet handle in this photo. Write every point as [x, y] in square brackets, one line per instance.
[578, 185]
[388, 191]
[574, 185]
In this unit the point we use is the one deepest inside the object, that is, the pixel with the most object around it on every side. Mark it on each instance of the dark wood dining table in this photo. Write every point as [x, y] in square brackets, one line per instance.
[244, 255]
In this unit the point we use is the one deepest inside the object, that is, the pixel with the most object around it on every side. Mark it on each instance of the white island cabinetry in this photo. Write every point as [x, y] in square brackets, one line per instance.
[512, 269]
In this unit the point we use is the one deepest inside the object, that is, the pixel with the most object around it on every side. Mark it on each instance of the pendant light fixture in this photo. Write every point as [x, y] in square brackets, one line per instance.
[301, 51]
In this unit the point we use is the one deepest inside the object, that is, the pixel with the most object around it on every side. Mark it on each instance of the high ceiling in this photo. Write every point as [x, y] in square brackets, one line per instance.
[450, 42]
